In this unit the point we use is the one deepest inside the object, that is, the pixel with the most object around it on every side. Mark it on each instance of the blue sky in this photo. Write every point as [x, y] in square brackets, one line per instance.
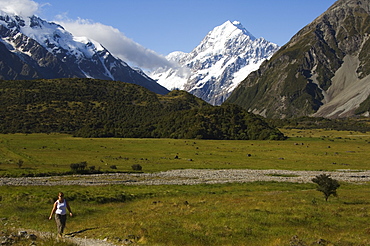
[170, 25]
[142, 32]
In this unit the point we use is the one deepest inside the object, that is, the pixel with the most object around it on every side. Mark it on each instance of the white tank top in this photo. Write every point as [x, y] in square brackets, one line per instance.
[61, 207]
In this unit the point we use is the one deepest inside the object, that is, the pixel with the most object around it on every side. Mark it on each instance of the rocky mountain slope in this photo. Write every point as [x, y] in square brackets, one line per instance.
[324, 70]
[218, 64]
[33, 48]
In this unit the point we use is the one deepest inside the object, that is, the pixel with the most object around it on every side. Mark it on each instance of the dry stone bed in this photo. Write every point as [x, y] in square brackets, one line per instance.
[191, 177]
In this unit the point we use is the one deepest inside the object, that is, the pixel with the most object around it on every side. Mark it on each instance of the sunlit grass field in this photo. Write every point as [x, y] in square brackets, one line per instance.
[304, 150]
[257, 213]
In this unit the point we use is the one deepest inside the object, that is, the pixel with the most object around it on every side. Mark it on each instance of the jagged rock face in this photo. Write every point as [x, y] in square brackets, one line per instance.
[33, 48]
[215, 67]
[322, 71]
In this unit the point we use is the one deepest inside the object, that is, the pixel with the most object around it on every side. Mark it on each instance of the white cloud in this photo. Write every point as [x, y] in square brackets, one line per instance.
[117, 43]
[19, 7]
[111, 38]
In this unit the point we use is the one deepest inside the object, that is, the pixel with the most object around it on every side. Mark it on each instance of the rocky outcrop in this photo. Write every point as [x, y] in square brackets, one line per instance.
[19, 238]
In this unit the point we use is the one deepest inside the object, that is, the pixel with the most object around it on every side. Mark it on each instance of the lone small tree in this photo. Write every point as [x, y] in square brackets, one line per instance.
[20, 163]
[326, 185]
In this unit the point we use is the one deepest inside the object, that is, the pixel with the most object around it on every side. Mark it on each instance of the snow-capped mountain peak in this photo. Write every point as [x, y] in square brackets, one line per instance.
[239, 25]
[225, 56]
[219, 39]
[229, 29]
[47, 50]
[51, 36]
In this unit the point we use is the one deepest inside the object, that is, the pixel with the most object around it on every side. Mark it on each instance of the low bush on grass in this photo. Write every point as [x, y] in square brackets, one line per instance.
[78, 167]
[137, 167]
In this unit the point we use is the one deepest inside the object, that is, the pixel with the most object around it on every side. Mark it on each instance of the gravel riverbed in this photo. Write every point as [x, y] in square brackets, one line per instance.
[191, 177]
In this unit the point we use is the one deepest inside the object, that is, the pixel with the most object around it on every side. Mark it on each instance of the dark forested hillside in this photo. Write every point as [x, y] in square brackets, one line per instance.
[98, 108]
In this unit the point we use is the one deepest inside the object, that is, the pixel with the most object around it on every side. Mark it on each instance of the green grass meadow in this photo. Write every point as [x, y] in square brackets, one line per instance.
[256, 213]
[304, 150]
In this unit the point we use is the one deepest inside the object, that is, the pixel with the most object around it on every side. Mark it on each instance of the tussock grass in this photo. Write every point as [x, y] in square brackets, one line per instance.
[257, 213]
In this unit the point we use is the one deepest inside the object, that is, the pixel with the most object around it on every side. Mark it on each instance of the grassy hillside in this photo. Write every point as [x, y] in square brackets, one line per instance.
[97, 108]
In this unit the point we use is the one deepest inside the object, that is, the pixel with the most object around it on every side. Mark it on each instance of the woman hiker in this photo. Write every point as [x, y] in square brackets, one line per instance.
[60, 209]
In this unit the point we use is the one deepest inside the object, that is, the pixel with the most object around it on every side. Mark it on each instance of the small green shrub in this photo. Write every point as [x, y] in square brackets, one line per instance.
[326, 185]
[78, 167]
[137, 167]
